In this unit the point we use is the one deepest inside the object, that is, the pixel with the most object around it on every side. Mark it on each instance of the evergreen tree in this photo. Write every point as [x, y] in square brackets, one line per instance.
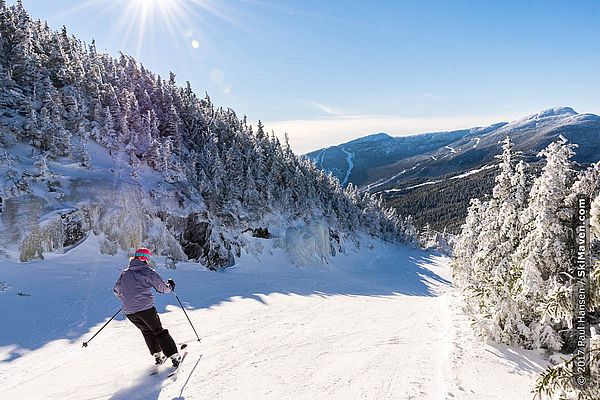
[41, 165]
[544, 253]
[65, 92]
[84, 154]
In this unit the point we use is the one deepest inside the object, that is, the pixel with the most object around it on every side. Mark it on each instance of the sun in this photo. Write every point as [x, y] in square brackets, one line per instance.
[177, 16]
[139, 20]
[140, 16]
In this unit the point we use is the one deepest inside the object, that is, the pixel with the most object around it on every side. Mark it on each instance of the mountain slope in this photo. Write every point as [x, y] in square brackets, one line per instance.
[433, 176]
[269, 331]
[391, 162]
[377, 151]
[94, 144]
[529, 135]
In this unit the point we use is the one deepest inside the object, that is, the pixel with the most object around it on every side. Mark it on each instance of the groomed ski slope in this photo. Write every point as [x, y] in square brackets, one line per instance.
[380, 324]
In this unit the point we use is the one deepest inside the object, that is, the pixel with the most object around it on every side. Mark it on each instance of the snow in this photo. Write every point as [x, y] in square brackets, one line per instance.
[415, 186]
[452, 150]
[480, 370]
[463, 175]
[556, 117]
[307, 244]
[556, 112]
[380, 323]
[322, 156]
[373, 186]
[349, 156]
[473, 171]
[376, 137]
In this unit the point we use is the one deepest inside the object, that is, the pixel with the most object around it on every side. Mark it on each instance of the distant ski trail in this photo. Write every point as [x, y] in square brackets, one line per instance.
[322, 156]
[349, 156]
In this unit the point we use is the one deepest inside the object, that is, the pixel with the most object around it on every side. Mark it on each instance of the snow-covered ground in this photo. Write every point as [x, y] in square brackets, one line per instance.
[452, 149]
[383, 323]
[463, 175]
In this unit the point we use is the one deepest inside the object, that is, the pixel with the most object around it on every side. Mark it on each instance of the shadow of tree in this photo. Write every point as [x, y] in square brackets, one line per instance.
[519, 359]
[73, 305]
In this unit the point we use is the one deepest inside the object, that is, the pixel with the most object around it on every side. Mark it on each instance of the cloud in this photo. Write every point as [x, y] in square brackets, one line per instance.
[325, 108]
[312, 134]
[433, 96]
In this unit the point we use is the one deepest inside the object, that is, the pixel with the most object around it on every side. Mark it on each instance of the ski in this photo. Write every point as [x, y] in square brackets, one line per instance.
[155, 370]
[174, 372]
[156, 366]
[175, 369]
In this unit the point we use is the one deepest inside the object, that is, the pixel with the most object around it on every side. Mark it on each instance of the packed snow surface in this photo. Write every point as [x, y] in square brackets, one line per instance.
[380, 323]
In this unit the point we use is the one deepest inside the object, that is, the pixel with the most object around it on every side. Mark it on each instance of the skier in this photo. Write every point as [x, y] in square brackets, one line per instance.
[133, 289]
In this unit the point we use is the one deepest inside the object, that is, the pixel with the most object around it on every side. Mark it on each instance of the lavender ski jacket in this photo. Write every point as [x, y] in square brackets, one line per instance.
[134, 284]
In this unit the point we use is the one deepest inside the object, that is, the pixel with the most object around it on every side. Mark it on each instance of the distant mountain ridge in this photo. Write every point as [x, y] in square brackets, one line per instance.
[380, 161]
[376, 137]
[433, 176]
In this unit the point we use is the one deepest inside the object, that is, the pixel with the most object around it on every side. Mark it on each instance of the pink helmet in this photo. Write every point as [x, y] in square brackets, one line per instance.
[143, 254]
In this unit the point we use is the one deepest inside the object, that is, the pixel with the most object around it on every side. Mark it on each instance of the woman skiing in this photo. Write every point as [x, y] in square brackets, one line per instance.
[133, 288]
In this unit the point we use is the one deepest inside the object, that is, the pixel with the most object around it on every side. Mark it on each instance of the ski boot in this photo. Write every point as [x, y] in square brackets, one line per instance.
[159, 358]
[176, 359]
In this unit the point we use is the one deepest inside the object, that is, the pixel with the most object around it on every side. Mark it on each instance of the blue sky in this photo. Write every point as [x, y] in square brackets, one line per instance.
[330, 71]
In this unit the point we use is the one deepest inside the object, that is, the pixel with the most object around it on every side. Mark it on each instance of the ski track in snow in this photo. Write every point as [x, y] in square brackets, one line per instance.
[349, 156]
[379, 324]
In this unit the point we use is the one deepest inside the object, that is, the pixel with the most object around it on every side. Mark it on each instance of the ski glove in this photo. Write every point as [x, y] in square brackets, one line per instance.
[171, 283]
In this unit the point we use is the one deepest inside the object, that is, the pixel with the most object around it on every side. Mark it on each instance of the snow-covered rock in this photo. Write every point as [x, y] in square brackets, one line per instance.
[308, 244]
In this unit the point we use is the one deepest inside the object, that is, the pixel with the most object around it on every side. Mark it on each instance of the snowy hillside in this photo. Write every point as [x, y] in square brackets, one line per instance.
[378, 150]
[381, 324]
[94, 144]
[433, 176]
[390, 162]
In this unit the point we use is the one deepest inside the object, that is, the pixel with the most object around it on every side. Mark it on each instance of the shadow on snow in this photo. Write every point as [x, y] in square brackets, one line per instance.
[86, 300]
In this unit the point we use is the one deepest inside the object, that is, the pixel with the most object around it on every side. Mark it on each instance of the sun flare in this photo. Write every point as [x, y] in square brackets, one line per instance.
[141, 16]
[139, 20]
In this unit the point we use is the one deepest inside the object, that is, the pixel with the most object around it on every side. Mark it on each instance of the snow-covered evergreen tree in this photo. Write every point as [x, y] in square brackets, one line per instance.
[63, 93]
[544, 254]
[483, 266]
[41, 165]
[513, 256]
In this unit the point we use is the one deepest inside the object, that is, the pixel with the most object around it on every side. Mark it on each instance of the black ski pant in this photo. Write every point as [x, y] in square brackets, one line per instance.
[156, 337]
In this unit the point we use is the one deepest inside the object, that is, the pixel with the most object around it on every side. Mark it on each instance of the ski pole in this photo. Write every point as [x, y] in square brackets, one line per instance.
[188, 318]
[111, 318]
